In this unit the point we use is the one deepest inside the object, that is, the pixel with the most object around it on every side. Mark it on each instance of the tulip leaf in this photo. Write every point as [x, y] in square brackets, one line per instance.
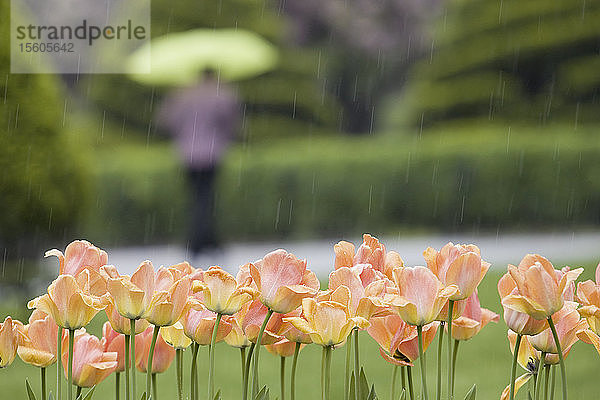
[403, 395]
[351, 395]
[263, 394]
[144, 396]
[89, 394]
[29, 391]
[372, 394]
[50, 396]
[363, 386]
[471, 393]
[529, 394]
[217, 395]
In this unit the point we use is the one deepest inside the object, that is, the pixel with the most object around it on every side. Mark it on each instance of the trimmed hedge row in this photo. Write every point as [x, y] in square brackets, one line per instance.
[461, 178]
[510, 60]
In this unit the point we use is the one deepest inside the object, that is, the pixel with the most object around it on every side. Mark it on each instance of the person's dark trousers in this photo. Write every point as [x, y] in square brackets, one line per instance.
[202, 233]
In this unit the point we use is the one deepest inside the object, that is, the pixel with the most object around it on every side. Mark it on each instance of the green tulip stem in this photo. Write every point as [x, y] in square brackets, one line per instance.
[211, 358]
[563, 370]
[117, 385]
[438, 395]
[150, 357]
[293, 377]
[356, 365]
[179, 367]
[132, 358]
[454, 357]
[393, 382]
[127, 366]
[247, 372]
[43, 382]
[449, 324]
[154, 388]
[59, 364]
[70, 365]
[282, 376]
[255, 380]
[513, 372]
[540, 372]
[193, 383]
[348, 356]
[411, 391]
[424, 391]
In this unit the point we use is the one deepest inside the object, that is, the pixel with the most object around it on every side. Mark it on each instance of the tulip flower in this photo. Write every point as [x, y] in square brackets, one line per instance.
[237, 338]
[398, 340]
[329, 323]
[11, 334]
[459, 265]
[91, 363]
[79, 255]
[114, 342]
[169, 301]
[473, 319]
[164, 354]
[283, 281]
[539, 287]
[131, 295]
[221, 293]
[588, 295]
[518, 322]
[70, 307]
[366, 301]
[568, 324]
[421, 295]
[39, 344]
[540, 292]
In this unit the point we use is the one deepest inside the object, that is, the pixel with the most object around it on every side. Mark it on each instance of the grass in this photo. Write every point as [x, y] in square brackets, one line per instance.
[485, 360]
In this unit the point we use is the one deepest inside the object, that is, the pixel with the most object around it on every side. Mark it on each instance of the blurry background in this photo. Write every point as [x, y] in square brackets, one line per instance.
[381, 116]
[434, 119]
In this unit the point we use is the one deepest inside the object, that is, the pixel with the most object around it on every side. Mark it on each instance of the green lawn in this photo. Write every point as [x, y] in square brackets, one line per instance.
[485, 361]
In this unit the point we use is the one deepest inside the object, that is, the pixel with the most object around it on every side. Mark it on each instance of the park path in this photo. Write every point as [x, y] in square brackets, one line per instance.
[560, 248]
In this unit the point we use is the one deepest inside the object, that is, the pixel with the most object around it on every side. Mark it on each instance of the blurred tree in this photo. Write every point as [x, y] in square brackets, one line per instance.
[289, 101]
[532, 61]
[42, 174]
[366, 47]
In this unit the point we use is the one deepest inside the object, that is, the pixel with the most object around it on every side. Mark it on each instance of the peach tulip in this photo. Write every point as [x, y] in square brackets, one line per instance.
[365, 301]
[371, 260]
[473, 319]
[222, 294]
[528, 358]
[421, 295]
[131, 295]
[283, 348]
[252, 316]
[457, 264]
[588, 295]
[328, 322]
[283, 281]
[169, 301]
[11, 335]
[40, 341]
[175, 336]
[568, 323]
[66, 301]
[237, 337]
[518, 322]
[539, 287]
[398, 340]
[79, 254]
[119, 323]
[164, 354]
[114, 342]
[91, 363]
[199, 323]
[293, 334]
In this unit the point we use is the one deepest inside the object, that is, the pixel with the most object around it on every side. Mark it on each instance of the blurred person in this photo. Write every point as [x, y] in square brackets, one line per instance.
[203, 120]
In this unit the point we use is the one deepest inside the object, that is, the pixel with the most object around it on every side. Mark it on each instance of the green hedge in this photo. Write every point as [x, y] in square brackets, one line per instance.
[509, 60]
[464, 177]
[43, 184]
[459, 178]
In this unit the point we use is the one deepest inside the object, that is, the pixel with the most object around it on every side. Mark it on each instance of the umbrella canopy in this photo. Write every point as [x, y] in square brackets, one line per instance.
[178, 58]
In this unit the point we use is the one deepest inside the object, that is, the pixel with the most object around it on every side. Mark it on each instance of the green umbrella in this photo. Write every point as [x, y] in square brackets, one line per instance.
[179, 58]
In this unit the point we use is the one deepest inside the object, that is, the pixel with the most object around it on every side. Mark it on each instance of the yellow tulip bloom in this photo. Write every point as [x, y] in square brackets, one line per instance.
[222, 294]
